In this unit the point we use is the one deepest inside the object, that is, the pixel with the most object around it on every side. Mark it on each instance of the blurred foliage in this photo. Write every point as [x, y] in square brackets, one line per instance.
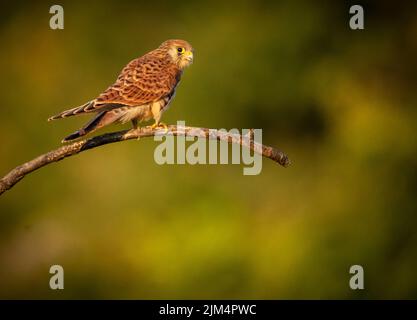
[341, 103]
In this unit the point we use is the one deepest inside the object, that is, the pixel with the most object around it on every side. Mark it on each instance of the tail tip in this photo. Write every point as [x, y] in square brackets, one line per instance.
[71, 137]
[77, 134]
[55, 117]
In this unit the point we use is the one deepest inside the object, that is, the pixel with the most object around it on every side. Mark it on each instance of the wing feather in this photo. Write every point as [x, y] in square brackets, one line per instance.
[142, 81]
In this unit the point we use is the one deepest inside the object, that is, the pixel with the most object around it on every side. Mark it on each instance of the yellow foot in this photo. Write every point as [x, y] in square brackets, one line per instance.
[159, 125]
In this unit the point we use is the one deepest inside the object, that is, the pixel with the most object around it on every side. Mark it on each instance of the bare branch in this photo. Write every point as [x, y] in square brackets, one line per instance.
[18, 173]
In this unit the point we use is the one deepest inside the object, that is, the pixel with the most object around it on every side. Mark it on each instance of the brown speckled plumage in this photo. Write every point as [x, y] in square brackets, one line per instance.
[142, 91]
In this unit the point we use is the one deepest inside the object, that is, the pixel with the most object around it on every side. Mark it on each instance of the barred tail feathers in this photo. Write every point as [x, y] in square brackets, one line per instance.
[87, 107]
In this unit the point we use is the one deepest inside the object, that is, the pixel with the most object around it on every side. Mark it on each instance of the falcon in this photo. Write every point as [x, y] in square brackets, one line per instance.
[143, 90]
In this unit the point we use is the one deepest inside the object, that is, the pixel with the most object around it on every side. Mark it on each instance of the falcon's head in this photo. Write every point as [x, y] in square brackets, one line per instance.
[180, 51]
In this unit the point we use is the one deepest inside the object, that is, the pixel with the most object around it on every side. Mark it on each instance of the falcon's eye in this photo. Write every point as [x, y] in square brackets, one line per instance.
[181, 50]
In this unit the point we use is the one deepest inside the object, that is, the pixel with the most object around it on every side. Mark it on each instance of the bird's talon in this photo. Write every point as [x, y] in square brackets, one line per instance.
[164, 126]
[160, 125]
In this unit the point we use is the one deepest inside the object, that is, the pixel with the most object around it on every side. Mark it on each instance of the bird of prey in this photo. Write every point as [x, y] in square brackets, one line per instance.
[143, 90]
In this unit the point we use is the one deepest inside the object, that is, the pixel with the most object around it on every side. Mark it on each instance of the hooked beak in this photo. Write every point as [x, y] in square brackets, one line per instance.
[189, 56]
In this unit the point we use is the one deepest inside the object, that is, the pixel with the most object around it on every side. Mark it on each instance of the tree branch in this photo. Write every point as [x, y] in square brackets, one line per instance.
[18, 173]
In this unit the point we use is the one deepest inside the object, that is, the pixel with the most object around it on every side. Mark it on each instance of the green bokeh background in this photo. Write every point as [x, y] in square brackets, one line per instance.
[341, 103]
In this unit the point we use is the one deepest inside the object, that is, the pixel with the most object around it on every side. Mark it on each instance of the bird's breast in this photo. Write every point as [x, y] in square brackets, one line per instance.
[142, 113]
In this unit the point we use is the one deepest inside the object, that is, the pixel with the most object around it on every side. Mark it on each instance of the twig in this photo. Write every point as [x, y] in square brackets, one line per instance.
[18, 173]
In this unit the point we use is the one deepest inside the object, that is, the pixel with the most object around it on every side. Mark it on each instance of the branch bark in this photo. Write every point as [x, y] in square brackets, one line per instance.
[18, 173]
